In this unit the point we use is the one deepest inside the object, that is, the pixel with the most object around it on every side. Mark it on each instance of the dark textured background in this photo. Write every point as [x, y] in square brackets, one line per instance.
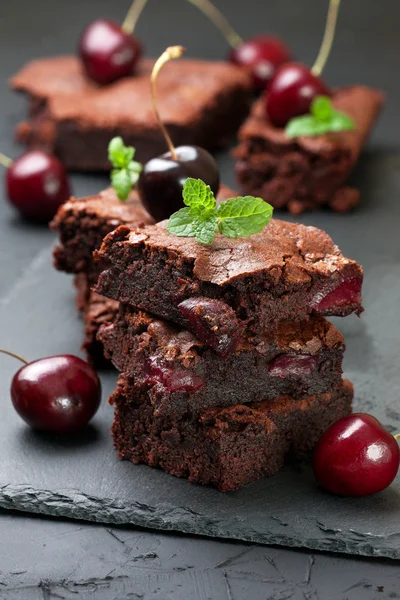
[50, 559]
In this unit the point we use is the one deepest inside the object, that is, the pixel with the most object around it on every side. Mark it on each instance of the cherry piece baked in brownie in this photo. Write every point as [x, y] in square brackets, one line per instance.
[305, 172]
[225, 447]
[286, 272]
[180, 373]
[203, 103]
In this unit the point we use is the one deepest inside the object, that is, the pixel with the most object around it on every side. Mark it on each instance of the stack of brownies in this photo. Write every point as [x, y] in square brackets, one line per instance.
[228, 366]
[81, 224]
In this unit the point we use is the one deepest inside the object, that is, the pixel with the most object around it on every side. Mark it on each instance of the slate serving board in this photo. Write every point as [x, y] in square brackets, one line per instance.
[83, 478]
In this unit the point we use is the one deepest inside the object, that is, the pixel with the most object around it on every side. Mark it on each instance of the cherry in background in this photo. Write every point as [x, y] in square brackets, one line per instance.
[162, 179]
[58, 394]
[356, 456]
[37, 184]
[260, 55]
[294, 86]
[108, 50]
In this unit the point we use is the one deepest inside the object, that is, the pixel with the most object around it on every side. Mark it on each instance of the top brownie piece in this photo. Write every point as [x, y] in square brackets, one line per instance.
[288, 271]
[305, 172]
[201, 103]
[82, 223]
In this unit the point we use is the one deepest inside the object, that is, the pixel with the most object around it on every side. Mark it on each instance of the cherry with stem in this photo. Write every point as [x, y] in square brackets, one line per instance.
[36, 184]
[162, 179]
[58, 394]
[260, 55]
[109, 51]
[294, 86]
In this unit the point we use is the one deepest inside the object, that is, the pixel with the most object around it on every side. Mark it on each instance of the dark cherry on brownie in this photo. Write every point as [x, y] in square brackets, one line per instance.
[181, 373]
[306, 172]
[225, 447]
[75, 119]
[286, 272]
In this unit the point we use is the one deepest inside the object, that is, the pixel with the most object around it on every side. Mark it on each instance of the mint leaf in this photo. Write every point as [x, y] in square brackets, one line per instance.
[121, 182]
[198, 195]
[321, 108]
[125, 171]
[205, 229]
[243, 216]
[181, 223]
[324, 118]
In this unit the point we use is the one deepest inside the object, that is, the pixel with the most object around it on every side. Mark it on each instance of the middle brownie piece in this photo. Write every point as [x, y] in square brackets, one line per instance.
[181, 373]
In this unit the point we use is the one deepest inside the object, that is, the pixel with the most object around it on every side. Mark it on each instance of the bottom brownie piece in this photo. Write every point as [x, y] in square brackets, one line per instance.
[226, 447]
[96, 310]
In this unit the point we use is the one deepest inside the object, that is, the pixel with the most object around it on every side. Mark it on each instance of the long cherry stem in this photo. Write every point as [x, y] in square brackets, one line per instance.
[219, 20]
[169, 54]
[397, 436]
[17, 356]
[327, 40]
[5, 161]
[132, 17]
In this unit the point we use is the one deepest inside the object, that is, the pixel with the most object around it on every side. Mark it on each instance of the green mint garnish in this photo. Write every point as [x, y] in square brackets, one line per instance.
[201, 219]
[323, 118]
[126, 171]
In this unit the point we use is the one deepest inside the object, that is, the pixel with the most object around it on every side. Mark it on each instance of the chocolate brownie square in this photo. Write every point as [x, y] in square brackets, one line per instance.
[286, 272]
[180, 373]
[201, 103]
[225, 447]
[306, 172]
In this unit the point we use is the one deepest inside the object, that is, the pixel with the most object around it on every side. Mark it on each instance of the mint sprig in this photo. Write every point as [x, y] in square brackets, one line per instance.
[126, 171]
[201, 218]
[323, 118]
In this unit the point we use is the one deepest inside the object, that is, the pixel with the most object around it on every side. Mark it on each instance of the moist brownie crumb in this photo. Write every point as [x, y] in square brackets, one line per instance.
[227, 447]
[181, 373]
[203, 103]
[306, 172]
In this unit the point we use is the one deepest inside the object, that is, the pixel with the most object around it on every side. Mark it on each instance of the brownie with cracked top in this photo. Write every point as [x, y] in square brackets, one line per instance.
[180, 373]
[224, 447]
[286, 272]
[202, 103]
[307, 172]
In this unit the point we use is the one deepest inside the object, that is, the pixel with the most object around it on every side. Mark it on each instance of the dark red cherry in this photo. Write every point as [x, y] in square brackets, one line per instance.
[287, 366]
[356, 456]
[107, 52]
[261, 55]
[37, 185]
[213, 322]
[162, 179]
[59, 394]
[290, 93]
[172, 379]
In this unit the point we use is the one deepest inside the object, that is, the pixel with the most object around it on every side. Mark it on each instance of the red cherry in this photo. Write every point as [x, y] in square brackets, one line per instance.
[261, 55]
[356, 456]
[107, 52]
[37, 185]
[59, 394]
[291, 92]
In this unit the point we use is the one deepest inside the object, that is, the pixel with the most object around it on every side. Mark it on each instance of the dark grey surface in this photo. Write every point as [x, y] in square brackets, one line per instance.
[37, 318]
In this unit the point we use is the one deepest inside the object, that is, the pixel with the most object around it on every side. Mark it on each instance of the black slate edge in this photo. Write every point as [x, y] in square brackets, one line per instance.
[75, 505]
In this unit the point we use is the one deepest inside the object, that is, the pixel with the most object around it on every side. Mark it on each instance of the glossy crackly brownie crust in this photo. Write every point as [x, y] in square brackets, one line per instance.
[82, 224]
[226, 447]
[96, 311]
[180, 373]
[201, 103]
[306, 172]
[286, 272]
